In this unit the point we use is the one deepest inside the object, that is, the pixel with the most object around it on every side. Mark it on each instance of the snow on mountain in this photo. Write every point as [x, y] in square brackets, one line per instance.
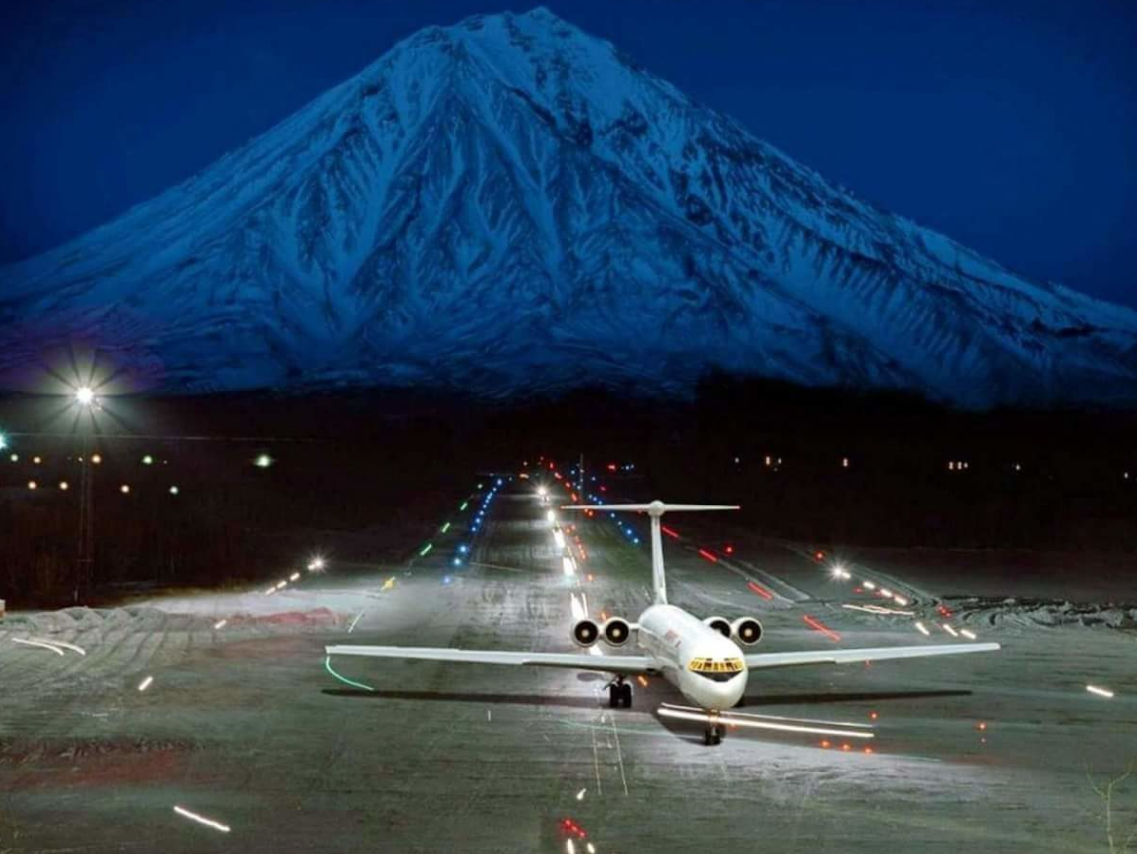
[511, 206]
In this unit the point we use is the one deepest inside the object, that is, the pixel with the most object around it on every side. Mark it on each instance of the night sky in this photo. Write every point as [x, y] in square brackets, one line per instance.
[1010, 126]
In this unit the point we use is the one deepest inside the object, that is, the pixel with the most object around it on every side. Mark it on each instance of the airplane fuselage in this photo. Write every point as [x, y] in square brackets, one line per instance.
[707, 668]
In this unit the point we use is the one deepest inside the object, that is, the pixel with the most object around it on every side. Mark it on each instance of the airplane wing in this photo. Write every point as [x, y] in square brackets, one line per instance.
[623, 664]
[762, 660]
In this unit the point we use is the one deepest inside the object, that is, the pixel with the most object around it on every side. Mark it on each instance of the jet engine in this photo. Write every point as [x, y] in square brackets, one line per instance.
[746, 631]
[616, 631]
[719, 624]
[585, 632]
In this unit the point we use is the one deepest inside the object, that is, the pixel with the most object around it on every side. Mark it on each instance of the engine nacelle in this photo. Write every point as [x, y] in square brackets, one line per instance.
[616, 631]
[585, 632]
[719, 624]
[746, 631]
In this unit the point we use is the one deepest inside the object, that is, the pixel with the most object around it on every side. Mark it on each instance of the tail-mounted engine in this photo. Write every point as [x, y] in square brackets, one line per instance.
[746, 631]
[719, 624]
[616, 631]
[585, 632]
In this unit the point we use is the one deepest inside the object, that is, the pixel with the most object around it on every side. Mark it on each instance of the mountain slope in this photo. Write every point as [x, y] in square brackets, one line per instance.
[509, 205]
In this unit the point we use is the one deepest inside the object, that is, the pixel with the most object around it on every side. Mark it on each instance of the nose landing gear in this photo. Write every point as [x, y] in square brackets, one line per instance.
[619, 692]
[714, 732]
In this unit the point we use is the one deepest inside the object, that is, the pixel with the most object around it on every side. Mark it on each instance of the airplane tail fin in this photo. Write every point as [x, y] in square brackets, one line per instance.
[655, 510]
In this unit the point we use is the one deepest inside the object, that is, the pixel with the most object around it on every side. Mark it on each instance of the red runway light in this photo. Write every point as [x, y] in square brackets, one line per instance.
[708, 556]
[826, 743]
[611, 466]
[981, 726]
[669, 531]
[729, 550]
[873, 716]
[819, 555]
[825, 630]
[868, 750]
[846, 747]
[761, 591]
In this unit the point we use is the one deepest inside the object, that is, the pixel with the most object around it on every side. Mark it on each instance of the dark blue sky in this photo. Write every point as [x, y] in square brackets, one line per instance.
[1010, 126]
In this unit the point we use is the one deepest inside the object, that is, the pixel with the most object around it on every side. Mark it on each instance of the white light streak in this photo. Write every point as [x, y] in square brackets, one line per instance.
[569, 847]
[967, 633]
[270, 591]
[570, 565]
[40, 644]
[950, 630]
[220, 624]
[922, 628]
[735, 720]
[868, 585]
[879, 609]
[591, 848]
[294, 576]
[578, 612]
[885, 592]
[550, 516]
[559, 538]
[63, 644]
[280, 585]
[581, 793]
[898, 599]
[200, 819]
[351, 628]
[1101, 692]
[145, 683]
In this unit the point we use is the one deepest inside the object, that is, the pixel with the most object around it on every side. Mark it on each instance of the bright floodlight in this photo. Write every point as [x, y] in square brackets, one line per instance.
[540, 491]
[316, 564]
[84, 396]
[550, 515]
[3, 441]
[263, 461]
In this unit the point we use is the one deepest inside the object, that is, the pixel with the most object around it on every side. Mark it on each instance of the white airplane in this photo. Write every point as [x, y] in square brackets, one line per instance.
[702, 658]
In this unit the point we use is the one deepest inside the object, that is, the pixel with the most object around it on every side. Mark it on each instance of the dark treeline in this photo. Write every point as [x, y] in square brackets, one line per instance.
[368, 476]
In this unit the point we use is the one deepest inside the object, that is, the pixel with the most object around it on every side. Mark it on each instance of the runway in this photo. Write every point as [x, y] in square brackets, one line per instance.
[246, 725]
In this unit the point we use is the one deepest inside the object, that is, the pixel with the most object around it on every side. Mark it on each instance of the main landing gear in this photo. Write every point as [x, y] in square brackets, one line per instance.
[714, 732]
[619, 692]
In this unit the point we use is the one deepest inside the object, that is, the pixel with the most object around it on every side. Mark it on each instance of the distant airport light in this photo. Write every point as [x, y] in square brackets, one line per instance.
[200, 819]
[36, 460]
[317, 563]
[220, 624]
[580, 794]
[884, 591]
[124, 489]
[922, 628]
[14, 458]
[147, 460]
[1101, 692]
[280, 585]
[263, 461]
[294, 576]
[146, 683]
[97, 459]
[550, 516]
[590, 847]
[967, 633]
[950, 630]
[173, 490]
[898, 599]
[63, 485]
[32, 484]
[868, 585]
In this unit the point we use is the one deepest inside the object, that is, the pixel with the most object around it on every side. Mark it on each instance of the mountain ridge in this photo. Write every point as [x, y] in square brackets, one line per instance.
[510, 206]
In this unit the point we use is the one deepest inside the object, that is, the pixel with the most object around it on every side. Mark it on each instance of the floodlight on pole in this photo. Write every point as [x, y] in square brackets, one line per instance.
[84, 395]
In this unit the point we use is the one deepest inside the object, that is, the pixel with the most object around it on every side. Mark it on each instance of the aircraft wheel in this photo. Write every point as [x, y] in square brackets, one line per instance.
[614, 696]
[626, 695]
[712, 735]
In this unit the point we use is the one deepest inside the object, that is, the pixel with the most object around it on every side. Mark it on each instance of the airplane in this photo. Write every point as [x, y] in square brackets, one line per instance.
[702, 658]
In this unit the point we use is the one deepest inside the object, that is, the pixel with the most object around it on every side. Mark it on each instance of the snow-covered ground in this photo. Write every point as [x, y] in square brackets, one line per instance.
[242, 722]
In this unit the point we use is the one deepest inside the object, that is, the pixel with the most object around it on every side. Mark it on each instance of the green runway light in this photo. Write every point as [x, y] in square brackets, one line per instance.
[465, 504]
[446, 527]
[426, 549]
[344, 679]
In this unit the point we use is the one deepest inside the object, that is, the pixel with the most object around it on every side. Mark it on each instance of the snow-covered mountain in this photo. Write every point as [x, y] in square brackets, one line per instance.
[508, 206]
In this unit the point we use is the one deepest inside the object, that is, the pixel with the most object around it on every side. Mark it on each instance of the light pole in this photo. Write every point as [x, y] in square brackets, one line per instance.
[85, 561]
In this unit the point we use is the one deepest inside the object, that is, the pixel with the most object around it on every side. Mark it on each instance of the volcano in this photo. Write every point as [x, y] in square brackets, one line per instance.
[508, 207]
